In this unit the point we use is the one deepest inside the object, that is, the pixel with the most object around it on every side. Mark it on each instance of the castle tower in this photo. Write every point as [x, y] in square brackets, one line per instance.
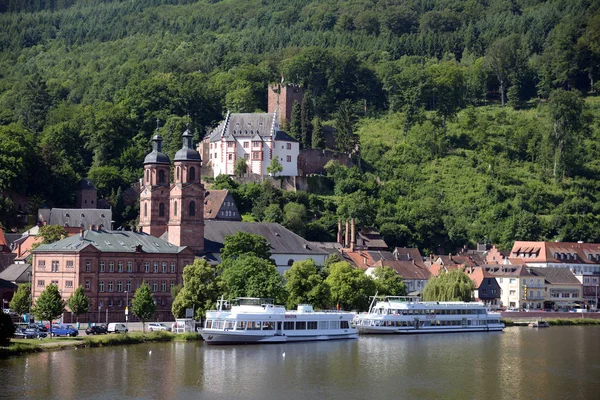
[282, 98]
[154, 196]
[186, 216]
[86, 195]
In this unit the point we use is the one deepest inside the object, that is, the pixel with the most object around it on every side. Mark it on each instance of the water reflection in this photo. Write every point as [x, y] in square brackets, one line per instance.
[519, 363]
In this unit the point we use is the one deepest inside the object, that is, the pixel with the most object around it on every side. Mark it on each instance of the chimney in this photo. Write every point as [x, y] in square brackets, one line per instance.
[347, 241]
[353, 234]
[339, 233]
[81, 234]
[92, 227]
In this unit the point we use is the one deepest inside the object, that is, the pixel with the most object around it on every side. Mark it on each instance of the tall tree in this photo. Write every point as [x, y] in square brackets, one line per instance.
[251, 276]
[446, 90]
[306, 120]
[21, 301]
[243, 243]
[296, 122]
[449, 286]
[49, 305]
[318, 138]
[504, 57]
[349, 288]
[143, 305]
[304, 285]
[274, 167]
[346, 139]
[388, 282]
[566, 111]
[79, 303]
[7, 328]
[241, 166]
[201, 288]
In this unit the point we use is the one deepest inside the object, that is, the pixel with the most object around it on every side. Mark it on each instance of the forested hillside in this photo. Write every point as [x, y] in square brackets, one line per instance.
[477, 119]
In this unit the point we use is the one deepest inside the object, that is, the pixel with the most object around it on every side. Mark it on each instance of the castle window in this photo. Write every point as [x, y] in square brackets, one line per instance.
[288, 158]
[288, 146]
[175, 209]
[145, 209]
[246, 145]
[191, 174]
[192, 209]
[177, 173]
[161, 176]
[148, 176]
[161, 210]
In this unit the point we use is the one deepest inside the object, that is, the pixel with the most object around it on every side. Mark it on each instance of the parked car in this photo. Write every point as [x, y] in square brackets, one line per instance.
[96, 330]
[64, 330]
[29, 332]
[41, 326]
[115, 327]
[156, 326]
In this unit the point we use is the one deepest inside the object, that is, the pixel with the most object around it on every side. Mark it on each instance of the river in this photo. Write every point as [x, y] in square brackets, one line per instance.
[520, 363]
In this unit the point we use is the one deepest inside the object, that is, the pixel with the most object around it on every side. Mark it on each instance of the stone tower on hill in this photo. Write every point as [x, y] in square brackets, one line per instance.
[281, 99]
[174, 210]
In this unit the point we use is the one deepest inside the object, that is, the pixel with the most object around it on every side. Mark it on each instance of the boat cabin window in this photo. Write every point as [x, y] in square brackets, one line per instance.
[311, 325]
[241, 326]
[229, 324]
[253, 326]
[344, 325]
[209, 324]
[300, 325]
[288, 326]
[268, 325]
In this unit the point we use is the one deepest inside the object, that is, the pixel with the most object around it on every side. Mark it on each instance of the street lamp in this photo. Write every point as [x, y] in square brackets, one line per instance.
[127, 310]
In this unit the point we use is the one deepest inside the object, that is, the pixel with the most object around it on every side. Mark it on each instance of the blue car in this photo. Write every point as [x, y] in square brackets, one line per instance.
[64, 330]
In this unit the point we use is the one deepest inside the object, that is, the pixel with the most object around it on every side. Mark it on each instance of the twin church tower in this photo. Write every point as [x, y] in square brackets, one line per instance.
[173, 211]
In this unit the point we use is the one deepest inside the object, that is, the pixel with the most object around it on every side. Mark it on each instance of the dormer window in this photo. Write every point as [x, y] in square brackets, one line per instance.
[556, 256]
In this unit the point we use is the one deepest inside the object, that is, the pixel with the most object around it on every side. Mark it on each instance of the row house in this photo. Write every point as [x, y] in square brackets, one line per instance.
[487, 289]
[110, 266]
[582, 259]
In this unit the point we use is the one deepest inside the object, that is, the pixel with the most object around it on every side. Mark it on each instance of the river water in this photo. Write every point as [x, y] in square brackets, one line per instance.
[520, 363]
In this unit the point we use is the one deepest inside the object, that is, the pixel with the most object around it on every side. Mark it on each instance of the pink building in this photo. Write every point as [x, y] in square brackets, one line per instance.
[111, 266]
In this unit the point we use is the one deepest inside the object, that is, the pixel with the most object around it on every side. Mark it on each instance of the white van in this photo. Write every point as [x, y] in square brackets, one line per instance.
[115, 327]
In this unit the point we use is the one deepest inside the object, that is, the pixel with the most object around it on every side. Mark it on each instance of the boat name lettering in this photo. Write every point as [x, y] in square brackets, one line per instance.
[430, 316]
[290, 316]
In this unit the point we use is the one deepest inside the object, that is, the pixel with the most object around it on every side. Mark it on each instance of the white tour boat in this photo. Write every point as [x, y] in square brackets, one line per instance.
[398, 314]
[254, 320]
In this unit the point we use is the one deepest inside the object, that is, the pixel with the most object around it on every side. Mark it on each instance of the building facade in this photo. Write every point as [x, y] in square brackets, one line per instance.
[110, 266]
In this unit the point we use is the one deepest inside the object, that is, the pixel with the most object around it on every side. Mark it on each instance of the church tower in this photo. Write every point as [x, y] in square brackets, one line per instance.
[186, 211]
[154, 197]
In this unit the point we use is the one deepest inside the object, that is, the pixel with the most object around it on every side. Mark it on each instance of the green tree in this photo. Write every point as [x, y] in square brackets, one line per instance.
[304, 285]
[446, 90]
[449, 286]
[275, 167]
[201, 288]
[21, 301]
[306, 113]
[349, 288]
[318, 138]
[296, 122]
[52, 233]
[566, 112]
[332, 259]
[251, 276]
[241, 166]
[273, 213]
[143, 305]
[346, 139]
[7, 329]
[243, 243]
[79, 303]
[49, 305]
[504, 57]
[294, 217]
[388, 282]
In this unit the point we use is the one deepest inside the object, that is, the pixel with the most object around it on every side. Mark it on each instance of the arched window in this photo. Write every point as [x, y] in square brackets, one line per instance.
[192, 209]
[177, 173]
[161, 210]
[147, 176]
[175, 209]
[191, 174]
[161, 176]
[290, 262]
[145, 209]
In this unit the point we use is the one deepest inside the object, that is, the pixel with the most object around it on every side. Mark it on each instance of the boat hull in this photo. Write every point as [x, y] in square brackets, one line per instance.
[221, 337]
[366, 330]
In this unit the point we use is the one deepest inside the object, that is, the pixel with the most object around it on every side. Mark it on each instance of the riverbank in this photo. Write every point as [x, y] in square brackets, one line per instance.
[27, 346]
[553, 321]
